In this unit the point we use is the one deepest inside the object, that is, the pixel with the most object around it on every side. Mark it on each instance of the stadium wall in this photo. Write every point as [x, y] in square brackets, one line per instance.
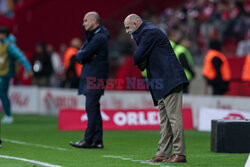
[48, 101]
[58, 21]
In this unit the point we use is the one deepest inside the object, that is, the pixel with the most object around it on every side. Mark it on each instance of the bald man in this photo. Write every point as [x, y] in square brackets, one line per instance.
[167, 79]
[94, 57]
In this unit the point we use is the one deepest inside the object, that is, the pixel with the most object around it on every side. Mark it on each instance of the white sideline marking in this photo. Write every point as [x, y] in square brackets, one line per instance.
[31, 161]
[36, 145]
[207, 155]
[248, 162]
[134, 160]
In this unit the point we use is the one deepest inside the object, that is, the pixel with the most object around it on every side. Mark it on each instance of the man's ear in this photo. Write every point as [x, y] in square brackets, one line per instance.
[135, 24]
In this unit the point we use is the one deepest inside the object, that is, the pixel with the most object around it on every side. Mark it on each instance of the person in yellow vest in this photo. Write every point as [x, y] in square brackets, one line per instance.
[182, 52]
[216, 69]
[246, 69]
[185, 58]
[9, 55]
[172, 43]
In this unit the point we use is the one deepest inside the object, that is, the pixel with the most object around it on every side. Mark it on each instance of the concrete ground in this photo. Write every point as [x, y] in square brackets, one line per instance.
[198, 85]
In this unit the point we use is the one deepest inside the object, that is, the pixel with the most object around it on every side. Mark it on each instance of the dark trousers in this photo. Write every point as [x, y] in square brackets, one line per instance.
[4, 87]
[186, 89]
[220, 88]
[94, 132]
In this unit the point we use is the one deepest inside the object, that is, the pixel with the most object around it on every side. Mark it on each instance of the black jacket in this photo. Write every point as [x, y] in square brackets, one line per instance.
[162, 66]
[94, 57]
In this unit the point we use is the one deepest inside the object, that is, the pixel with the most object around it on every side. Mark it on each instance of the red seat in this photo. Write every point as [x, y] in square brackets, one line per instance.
[229, 47]
[237, 87]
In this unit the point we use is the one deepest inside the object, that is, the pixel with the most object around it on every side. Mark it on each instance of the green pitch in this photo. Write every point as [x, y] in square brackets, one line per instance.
[37, 139]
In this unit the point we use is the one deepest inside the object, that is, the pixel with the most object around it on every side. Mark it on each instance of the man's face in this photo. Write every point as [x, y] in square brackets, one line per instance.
[88, 22]
[186, 43]
[2, 36]
[130, 26]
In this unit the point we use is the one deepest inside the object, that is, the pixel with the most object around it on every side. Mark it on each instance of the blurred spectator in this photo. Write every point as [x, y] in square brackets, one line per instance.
[58, 70]
[216, 69]
[119, 50]
[128, 71]
[72, 68]
[243, 47]
[246, 69]
[18, 1]
[185, 58]
[236, 26]
[122, 62]
[62, 50]
[6, 8]
[42, 66]
[121, 46]
[201, 20]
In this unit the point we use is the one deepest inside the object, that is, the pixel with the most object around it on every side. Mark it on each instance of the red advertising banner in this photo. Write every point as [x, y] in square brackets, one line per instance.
[119, 119]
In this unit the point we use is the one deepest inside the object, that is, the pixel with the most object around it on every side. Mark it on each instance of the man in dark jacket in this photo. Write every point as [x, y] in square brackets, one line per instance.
[155, 53]
[94, 57]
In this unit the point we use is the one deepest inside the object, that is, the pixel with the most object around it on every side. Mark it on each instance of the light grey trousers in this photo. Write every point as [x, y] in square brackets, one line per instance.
[172, 131]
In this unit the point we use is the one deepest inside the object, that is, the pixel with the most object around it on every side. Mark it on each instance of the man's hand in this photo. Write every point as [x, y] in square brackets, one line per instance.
[142, 65]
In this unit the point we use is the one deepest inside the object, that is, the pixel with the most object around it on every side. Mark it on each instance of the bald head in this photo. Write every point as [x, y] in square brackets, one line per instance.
[132, 22]
[133, 18]
[94, 15]
[91, 21]
[76, 43]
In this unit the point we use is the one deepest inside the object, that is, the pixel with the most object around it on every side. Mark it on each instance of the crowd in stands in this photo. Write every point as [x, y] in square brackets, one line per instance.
[197, 21]
[201, 23]
[204, 20]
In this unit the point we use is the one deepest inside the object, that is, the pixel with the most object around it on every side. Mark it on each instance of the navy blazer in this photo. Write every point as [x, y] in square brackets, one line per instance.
[94, 57]
[155, 53]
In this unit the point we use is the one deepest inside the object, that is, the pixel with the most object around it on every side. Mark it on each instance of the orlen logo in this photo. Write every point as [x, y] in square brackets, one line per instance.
[136, 118]
[105, 117]
[234, 116]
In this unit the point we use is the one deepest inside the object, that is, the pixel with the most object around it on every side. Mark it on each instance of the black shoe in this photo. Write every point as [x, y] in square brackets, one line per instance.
[0, 143]
[94, 145]
[80, 144]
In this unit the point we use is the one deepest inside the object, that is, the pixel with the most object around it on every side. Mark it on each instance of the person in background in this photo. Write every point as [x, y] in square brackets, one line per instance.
[94, 57]
[42, 66]
[216, 69]
[243, 47]
[155, 54]
[57, 65]
[246, 69]
[7, 8]
[71, 66]
[9, 55]
[62, 50]
[171, 38]
[185, 58]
